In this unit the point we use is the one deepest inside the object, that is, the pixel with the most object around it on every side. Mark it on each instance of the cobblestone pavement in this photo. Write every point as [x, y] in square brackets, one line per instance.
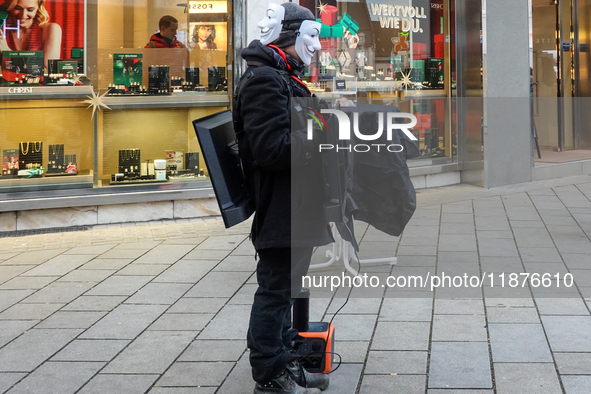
[162, 307]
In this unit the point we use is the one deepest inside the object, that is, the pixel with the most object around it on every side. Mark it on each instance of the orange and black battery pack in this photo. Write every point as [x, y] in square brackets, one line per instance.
[316, 347]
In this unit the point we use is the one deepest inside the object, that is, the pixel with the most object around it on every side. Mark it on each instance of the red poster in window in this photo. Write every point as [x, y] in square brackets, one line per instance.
[52, 26]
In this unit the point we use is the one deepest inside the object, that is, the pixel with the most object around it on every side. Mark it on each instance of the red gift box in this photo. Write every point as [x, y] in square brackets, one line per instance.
[419, 51]
[329, 15]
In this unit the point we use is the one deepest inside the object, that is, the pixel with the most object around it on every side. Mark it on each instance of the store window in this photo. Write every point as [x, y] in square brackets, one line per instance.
[393, 52]
[147, 69]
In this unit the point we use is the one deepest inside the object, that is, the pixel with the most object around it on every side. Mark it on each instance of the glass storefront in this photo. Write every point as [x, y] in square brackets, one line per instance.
[60, 57]
[393, 52]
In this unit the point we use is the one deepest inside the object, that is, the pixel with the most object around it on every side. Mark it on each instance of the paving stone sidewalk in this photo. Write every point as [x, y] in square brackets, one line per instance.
[162, 307]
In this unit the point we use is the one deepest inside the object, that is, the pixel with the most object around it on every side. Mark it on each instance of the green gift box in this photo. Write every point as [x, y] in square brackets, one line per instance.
[331, 31]
[349, 23]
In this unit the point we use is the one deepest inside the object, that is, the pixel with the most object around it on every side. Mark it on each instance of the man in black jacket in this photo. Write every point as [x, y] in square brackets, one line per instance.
[284, 174]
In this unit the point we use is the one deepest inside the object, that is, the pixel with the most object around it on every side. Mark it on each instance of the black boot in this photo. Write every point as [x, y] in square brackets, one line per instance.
[283, 384]
[305, 378]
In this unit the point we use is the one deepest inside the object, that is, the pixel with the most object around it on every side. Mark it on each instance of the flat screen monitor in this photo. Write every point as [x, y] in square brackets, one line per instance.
[219, 149]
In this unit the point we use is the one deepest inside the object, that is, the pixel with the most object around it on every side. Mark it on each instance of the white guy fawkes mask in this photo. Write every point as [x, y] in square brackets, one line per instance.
[307, 42]
[271, 24]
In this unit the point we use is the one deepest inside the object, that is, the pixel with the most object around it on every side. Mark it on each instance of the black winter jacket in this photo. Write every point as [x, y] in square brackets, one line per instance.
[283, 167]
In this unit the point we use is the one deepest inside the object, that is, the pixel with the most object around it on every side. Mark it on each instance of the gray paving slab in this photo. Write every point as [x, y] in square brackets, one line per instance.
[234, 263]
[118, 285]
[207, 254]
[198, 305]
[7, 380]
[568, 333]
[240, 379]
[356, 305]
[222, 242]
[183, 390]
[29, 311]
[401, 336]
[230, 323]
[576, 261]
[124, 322]
[512, 315]
[416, 261]
[576, 384]
[8, 272]
[573, 363]
[518, 378]
[351, 351]
[497, 247]
[137, 269]
[114, 383]
[458, 307]
[459, 328]
[91, 350]
[195, 374]
[59, 292]
[10, 329]
[33, 258]
[71, 319]
[93, 250]
[345, 379]
[81, 275]
[11, 297]
[120, 253]
[94, 303]
[159, 293]
[181, 322]
[457, 243]
[151, 352]
[443, 391]
[165, 254]
[59, 265]
[218, 284]
[186, 271]
[28, 351]
[562, 306]
[412, 250]
[137, 245]
[214, 350]
[57, 377]
[245, 295]
[494, 234]
[460, 365]
[106, 264]
[408, 384]
[456, 257]
[448, 217]
[519, 343]
[492, 224]
[24, 283]
[396, 362]
[456, 229]
[353, 327]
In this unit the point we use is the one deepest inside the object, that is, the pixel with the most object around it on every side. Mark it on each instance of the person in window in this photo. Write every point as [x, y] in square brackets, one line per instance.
[168, 26]
[28, 28]
[204, 36]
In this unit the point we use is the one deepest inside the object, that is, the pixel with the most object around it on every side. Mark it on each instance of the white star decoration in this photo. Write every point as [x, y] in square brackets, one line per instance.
[406, 82]
[321, 7]
[96, 102]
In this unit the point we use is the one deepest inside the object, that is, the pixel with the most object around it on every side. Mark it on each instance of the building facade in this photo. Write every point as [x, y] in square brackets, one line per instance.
[96, 125]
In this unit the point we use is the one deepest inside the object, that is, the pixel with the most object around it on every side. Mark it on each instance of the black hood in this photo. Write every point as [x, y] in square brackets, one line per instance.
[264, 54]
[270, 57]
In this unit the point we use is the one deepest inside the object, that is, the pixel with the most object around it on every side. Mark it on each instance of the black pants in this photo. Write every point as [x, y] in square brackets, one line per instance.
[269, 332]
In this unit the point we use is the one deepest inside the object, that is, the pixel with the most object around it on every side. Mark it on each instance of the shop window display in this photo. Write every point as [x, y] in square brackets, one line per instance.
[57, 56]
[398, 52]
